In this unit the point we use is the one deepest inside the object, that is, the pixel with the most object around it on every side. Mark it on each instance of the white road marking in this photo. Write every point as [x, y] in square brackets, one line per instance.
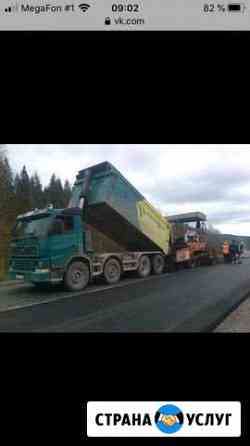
[88, 291]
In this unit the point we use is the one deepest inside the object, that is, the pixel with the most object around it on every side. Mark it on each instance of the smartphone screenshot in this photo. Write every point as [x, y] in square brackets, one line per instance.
[125, 15]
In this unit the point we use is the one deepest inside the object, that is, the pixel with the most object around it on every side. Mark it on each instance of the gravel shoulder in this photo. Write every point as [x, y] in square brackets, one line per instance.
[238, 321]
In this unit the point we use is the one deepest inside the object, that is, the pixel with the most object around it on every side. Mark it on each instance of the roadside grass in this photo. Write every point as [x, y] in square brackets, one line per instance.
[2, 269]
[3, 266]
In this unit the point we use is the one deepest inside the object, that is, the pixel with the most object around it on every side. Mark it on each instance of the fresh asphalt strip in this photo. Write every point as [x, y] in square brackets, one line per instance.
[96, 289]
[209, 318]
[205, 320]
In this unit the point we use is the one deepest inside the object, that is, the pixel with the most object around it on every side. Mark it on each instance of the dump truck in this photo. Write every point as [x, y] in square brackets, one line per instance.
[59, 245]
[107, 230]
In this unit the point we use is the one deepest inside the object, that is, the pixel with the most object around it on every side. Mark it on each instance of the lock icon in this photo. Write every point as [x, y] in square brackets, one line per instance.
[107, 21]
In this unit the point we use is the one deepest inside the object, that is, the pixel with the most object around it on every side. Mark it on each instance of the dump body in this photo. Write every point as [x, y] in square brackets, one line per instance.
[115, 208]
[100, 243]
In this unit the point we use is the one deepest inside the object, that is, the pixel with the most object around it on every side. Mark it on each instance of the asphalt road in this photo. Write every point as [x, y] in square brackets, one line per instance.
[184, 301]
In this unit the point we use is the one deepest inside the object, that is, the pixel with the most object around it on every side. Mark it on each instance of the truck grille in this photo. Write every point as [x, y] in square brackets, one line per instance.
[24, 264]
[24, 251]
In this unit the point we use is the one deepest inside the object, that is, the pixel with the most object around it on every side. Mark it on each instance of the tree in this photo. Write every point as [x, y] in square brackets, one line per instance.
[67, 192]
[7, 209]
[54, 193]
[6, 188]
[23, 191]
[37, 194]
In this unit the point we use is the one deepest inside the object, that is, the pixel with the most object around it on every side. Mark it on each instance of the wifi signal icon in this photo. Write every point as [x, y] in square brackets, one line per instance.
[84, 7]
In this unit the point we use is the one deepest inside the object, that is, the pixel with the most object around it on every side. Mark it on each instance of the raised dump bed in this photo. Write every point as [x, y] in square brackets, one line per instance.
[100, 243]
[115, 208]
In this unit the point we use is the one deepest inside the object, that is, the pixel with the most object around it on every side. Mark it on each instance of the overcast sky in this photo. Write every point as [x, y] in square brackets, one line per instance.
[214, 179]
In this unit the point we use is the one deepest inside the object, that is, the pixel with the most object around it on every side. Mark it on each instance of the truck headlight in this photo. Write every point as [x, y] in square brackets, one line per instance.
[41, 270]
[43, 264]
[42, 267]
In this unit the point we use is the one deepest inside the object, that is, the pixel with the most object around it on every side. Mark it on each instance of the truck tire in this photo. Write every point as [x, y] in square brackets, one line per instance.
[144, 268]
[190, 264]
[171, 265]
[77, 276]
[212, 261]
[112, 271]
[158, 264]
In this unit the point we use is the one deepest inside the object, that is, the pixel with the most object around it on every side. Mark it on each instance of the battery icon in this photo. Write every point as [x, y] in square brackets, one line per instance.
[235, 7]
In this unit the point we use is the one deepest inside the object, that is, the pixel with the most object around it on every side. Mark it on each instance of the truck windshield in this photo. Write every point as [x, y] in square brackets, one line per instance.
[32, 227]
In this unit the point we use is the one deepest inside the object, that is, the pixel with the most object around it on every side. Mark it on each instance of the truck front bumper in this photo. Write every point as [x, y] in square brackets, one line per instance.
[38, 276]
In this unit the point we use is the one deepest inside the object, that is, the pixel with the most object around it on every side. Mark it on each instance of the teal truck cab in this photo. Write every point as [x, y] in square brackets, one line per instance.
[55, 245]
[44, 242]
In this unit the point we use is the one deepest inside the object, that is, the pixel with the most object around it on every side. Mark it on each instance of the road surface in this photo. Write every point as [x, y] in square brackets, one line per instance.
[184, 301]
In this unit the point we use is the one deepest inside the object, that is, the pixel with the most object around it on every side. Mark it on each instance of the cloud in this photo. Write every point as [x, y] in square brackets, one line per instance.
[241, 215]
[214, 185]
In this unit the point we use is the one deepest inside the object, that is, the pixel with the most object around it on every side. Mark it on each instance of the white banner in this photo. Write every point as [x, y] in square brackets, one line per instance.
[124, 15]
[161, 419]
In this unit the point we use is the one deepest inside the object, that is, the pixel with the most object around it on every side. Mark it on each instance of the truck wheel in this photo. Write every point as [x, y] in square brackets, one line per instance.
[198, 262]
[144, 268]
[171, 265]
[112, 271]
[190, 264]
[158, 264]
[77, 276]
